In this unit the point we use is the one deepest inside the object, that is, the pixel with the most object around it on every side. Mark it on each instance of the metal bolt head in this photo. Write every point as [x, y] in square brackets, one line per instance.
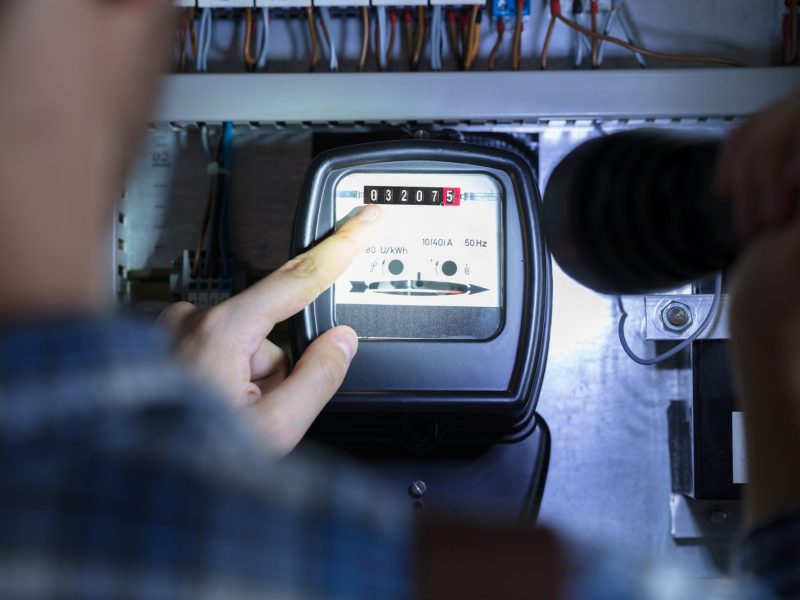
[718, 517]
[417, 488]
[676, 317]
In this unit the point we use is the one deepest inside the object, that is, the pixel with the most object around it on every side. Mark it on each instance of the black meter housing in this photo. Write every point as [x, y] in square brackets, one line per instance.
[452, 304]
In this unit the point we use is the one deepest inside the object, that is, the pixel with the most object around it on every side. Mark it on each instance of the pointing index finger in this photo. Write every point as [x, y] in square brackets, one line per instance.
[297, 283]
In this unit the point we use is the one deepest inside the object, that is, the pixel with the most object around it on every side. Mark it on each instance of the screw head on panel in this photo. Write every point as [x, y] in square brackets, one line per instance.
[417, 488]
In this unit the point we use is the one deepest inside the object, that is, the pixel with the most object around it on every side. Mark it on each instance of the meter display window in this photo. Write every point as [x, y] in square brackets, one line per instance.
[435, 271]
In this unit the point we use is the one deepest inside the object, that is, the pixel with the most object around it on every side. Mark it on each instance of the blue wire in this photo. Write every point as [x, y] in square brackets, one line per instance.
[227, 160]
[712, 314]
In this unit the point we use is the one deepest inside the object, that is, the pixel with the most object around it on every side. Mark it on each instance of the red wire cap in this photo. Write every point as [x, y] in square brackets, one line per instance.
[555, 7]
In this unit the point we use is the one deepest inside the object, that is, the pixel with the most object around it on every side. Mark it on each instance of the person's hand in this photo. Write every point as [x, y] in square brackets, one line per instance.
[759, 169]
[228, 343]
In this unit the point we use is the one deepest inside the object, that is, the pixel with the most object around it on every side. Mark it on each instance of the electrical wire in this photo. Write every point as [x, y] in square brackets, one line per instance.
[420, 42]
[594, 10]
[713, 313]
[325, 18]
[476, 39]
[225, 174]
[408, 20]
[470, 41]
[645, 51]
[392, 36]
[464, 24]
[501, 29]
[453, 34]
[250, 61]
[577, 11]
[312, 34]
[617, 12]
[362, 58]
[190, 14]
[380, 37]
[180, 42]
[548, 36]
[213, 171]
[261, 64]
[204, 40]
[516, 43]
[436, 37]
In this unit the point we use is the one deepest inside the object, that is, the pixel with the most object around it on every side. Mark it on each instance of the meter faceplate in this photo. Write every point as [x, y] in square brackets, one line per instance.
[492, 369]
[435, 271]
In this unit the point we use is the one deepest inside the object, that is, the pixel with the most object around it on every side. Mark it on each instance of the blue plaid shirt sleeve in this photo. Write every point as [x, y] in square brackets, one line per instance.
[121, 477]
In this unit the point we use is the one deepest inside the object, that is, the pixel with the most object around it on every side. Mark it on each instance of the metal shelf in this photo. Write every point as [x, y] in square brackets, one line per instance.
[477, 98]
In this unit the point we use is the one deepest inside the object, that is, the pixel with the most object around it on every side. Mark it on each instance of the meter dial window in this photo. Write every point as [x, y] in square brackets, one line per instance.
[435, 271]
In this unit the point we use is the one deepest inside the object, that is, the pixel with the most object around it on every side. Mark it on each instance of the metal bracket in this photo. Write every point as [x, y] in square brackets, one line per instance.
[697, 305]
[703, 519]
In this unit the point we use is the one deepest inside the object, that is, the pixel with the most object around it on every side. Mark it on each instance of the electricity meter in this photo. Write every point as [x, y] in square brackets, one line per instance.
[451, 302]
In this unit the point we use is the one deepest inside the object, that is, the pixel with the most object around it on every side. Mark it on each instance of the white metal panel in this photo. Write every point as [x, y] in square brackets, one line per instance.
[225, 3]
[474, 97]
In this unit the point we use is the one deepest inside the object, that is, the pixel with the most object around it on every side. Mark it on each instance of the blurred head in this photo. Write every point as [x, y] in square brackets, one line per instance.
[78, 79]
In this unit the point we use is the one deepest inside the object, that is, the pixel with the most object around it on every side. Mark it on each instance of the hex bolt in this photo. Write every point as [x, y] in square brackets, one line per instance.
[417, 489]
[676, 317]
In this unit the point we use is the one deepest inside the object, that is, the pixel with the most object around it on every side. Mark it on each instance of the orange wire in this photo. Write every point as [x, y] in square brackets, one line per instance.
[249, 60]
[362, 59]
[312, 32]
[476, 45]
[420, 37]
[547, 38]
[640, 50]
[501, 29]
[473, 19]
[516, 44]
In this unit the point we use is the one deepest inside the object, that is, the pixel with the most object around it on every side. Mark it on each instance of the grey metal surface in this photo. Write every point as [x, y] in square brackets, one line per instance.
[698, 305]
[473, 97]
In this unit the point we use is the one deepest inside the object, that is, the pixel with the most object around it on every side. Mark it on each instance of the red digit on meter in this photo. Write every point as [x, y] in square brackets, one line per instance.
[451, 196]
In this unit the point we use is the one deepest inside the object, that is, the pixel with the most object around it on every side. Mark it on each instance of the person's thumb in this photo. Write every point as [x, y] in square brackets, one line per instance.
[285, 414]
